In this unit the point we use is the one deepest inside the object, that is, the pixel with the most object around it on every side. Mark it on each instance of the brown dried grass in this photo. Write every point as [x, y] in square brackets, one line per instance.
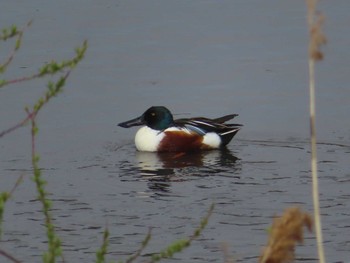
[317, 37]
[286, 233]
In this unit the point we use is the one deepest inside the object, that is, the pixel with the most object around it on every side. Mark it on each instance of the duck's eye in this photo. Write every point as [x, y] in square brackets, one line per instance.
[153, 114]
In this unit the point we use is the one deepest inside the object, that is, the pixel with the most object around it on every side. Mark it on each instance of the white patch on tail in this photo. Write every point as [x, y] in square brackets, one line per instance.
[212, 140]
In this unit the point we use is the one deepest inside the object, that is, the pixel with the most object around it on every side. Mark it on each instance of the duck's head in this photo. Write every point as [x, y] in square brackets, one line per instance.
[156, 117]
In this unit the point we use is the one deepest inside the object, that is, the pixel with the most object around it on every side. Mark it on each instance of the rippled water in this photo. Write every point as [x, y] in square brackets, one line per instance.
[199, 58]
[130, 192]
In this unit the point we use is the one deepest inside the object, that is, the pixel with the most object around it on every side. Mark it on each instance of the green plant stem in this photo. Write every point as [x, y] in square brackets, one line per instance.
[53, 89]
[54, 243]
[101, 253]
[4, 196]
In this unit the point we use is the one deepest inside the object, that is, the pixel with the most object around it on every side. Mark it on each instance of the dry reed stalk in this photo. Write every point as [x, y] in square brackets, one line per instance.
[317, 39]
[286, 232]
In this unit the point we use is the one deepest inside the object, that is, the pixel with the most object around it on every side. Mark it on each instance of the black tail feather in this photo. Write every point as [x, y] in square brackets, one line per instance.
[226, 136]
[225, 118]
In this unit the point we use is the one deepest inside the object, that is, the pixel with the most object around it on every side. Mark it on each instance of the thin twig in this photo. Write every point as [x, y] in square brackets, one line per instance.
[22, 79]
[8, 256]
[181, 244]
[19, 180]
[18, 125]
[51, 68]
[143, 246]
[30, 115]
[16, 47]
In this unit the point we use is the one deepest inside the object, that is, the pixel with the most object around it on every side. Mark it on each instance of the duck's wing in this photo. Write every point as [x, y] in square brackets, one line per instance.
[203, 125]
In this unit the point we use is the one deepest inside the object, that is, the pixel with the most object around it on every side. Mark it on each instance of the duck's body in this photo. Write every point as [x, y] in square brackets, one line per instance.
[174, 139]
[162, 133]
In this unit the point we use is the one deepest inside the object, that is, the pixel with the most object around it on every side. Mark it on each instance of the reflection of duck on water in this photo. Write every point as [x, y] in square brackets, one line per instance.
[160, 169]
[161, 133]
[157, 161]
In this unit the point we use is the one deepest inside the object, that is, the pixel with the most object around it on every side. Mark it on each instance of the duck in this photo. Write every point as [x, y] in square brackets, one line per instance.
[161, 133]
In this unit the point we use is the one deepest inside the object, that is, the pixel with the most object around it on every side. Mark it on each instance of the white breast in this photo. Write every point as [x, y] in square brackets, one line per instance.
[147, 139]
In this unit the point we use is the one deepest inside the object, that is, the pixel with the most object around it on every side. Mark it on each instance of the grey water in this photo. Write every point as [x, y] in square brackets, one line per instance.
[198, 58]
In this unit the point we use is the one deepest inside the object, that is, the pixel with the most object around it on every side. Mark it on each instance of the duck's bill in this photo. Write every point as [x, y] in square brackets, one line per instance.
[134, 122]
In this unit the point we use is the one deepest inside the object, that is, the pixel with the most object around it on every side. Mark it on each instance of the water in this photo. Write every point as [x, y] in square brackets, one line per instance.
[199, 58]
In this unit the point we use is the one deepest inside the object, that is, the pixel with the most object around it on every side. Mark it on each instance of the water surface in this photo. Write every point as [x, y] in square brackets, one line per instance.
[199, 58]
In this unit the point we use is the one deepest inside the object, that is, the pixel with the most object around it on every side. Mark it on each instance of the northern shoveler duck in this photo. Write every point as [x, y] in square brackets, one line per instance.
[161, 133]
